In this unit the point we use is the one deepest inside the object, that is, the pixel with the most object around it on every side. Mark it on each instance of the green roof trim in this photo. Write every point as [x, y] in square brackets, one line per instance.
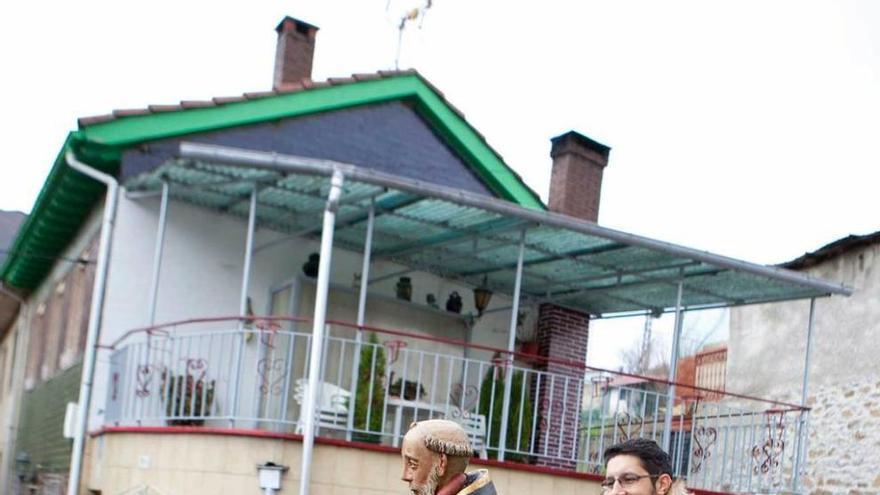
[67, 197]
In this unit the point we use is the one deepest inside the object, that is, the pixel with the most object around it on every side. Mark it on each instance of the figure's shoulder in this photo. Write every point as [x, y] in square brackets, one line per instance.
[478, 483]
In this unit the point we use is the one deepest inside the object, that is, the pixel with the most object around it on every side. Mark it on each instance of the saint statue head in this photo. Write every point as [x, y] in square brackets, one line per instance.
[434, 453]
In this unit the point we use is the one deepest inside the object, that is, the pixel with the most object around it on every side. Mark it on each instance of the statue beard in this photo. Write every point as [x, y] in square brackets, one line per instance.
[431, 485]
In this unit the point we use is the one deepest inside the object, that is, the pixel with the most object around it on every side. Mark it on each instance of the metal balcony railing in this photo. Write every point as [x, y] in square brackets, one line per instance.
[250, 373]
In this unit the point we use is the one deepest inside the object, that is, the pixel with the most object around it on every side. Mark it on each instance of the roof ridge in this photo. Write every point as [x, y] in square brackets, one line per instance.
[303, 85]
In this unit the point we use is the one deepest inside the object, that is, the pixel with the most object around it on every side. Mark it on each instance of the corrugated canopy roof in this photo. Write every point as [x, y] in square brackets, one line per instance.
[469, 237]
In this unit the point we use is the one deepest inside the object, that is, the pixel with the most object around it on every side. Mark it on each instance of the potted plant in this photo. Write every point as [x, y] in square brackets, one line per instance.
[517, 402]
[185, 397]
[365, 401]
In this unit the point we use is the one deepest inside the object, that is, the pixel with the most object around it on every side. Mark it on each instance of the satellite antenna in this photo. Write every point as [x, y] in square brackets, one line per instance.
[417, 13]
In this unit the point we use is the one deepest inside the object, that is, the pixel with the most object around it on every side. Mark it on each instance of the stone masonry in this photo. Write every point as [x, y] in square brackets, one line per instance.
[844, 444]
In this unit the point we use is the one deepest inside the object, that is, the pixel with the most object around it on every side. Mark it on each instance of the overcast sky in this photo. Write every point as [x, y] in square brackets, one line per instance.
[746, 128]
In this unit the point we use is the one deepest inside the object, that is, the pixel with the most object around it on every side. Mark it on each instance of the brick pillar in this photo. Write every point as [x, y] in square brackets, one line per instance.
[562, 334]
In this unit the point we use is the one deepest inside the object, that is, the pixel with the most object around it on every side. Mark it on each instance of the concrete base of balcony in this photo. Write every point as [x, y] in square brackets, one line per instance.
[194, 460]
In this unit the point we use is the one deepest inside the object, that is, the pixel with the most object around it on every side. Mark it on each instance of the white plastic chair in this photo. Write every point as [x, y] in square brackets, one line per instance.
[332, 406]
[475, 427]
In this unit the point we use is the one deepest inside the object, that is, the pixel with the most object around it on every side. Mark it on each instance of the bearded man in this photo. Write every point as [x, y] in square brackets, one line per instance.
[435, 456]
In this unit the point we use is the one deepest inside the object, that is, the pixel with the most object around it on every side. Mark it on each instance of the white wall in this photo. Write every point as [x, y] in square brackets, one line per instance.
[201, 277]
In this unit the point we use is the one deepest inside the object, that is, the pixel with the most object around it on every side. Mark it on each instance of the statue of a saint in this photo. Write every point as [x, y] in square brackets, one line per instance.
[435, 456]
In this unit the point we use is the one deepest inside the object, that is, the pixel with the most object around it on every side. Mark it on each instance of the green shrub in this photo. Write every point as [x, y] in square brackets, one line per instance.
[513, 423]
[363, 400]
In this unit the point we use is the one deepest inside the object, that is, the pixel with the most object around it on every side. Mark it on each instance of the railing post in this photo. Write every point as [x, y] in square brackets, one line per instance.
[511, 341]
[318, 330]
[242, 308]
[673, 362]
[361, 316]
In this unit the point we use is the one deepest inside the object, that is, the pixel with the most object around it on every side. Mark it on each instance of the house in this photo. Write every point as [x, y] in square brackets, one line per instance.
[290, 277]
[10, 343]
[843, 390]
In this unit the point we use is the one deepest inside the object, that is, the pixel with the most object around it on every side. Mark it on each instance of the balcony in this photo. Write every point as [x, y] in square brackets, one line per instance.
[250, 373]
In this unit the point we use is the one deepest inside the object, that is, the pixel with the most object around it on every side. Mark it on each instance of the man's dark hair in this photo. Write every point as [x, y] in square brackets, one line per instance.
[654, 459]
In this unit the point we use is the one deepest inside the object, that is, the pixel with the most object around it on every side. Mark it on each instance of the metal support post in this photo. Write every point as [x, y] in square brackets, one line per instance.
[361, 315]
[511, 341]
[157, 257]
[242, 307]
[810, 324]
[801, 434]
[673, 369]
[318, 330]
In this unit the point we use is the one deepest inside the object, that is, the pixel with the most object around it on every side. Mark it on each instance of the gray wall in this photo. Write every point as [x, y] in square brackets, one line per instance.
[768, 342]
[766, 358]
[389, 137]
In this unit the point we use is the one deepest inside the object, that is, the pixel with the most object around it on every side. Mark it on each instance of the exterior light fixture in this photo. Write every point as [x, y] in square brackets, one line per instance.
[482, 296]
[270, 477]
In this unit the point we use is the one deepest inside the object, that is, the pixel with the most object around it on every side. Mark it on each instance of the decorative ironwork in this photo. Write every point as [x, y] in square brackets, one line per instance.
[394, 347]
[704, 438]
[767, 456]
[594, 464]
[625, 423]
[266, 368]
[463, 397]
[144, 376]
[197, 367]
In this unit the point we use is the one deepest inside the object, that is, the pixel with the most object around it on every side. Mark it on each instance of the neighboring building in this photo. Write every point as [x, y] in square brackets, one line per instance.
[206, 314]
[10, 347]
[767, 356]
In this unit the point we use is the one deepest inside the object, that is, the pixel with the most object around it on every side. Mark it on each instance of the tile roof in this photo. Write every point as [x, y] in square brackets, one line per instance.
[828, 251]
[303, 85]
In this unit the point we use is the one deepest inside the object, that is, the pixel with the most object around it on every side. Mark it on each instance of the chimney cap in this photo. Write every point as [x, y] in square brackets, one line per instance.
[296, 22]
[573, 137]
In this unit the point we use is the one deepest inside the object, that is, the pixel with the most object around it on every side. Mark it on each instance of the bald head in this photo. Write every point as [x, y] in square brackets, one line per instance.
[442, 436]
[434, 452]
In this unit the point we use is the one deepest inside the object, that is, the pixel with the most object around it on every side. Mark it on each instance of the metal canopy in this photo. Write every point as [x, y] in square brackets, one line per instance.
[469, 237]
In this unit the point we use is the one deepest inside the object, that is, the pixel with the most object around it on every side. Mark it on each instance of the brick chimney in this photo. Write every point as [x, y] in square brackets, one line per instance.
[563, 333]
[576, 180]
[294, 52]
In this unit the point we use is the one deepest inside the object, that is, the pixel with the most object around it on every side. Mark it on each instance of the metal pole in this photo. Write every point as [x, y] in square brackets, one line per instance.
[673, 362]
[810, 323]
[242, 307]
[801, 435]
[95, 314]
[511, 341]
[248, 255]
[362, 311]
[319, 319]
[157, 256]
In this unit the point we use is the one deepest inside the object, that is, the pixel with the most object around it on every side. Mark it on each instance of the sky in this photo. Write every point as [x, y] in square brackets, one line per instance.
[745, 128]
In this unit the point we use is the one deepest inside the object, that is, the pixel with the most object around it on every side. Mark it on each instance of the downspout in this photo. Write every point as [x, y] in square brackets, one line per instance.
[19, 360]
[95, 313]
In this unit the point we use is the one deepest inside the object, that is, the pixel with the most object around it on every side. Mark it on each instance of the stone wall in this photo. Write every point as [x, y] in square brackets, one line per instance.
[844, 444]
